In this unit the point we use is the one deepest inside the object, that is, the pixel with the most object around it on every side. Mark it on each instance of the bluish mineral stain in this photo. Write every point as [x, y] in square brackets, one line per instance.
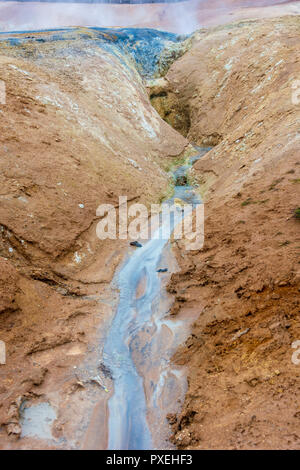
[37, 420]
[128, 427]
[144, 46]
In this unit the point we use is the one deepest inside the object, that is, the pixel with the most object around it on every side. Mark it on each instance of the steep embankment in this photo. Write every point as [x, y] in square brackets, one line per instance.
[235, 87]
[77, 131]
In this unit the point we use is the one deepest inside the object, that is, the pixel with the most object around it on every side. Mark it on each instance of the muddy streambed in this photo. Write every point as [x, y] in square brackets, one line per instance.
[134, 350]
[143, 338]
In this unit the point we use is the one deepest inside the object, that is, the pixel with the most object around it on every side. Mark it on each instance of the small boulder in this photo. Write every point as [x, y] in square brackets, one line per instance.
[181, 181]
[136, 244]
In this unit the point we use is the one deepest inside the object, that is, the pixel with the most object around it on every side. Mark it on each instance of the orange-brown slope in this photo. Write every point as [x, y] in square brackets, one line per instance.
[236, 83]
[77, 131]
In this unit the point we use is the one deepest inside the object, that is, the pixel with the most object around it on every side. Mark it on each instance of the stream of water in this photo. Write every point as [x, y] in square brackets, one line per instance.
[137, 339]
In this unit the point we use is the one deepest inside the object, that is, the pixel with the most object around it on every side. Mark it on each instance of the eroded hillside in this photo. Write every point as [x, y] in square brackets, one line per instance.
[77, 131]
[235, 86]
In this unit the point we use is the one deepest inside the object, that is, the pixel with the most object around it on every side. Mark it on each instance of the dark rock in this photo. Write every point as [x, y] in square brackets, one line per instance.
[172, 418]
[162, 270]
[136, 244]
[105, 370]
[181, 180]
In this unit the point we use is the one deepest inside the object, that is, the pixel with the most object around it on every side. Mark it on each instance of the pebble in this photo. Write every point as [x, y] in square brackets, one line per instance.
[136, 244]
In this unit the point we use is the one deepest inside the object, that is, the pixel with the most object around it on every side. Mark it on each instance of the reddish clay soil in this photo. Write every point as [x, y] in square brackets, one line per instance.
[77, 131]
[235, 85]
[232, 90]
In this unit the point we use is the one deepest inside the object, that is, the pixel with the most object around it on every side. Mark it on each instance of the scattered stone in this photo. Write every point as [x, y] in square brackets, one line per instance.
[275, 297]
[2, 353]
[136, 244]
[80, 384]
[134, 164]
[183, 438]
[254, 381]
[13, 429]
[239, 334]
[172, 418]
[181, 180]
[178, 202]
[98, 381]
[105, 370]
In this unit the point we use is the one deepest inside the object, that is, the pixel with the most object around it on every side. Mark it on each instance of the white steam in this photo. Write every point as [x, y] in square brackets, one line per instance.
[183, 17]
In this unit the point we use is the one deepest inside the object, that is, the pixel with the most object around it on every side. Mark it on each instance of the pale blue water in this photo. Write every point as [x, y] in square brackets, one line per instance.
[128, 427]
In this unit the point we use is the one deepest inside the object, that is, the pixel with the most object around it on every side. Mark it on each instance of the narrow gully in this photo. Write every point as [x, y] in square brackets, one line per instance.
[142, 339]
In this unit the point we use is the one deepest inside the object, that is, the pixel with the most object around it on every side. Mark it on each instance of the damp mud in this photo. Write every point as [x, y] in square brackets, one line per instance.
[143, 338]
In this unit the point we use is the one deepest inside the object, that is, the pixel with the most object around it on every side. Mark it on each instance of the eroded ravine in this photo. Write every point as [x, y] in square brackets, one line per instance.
[90, 86]
[142, 339]
[64, 133]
